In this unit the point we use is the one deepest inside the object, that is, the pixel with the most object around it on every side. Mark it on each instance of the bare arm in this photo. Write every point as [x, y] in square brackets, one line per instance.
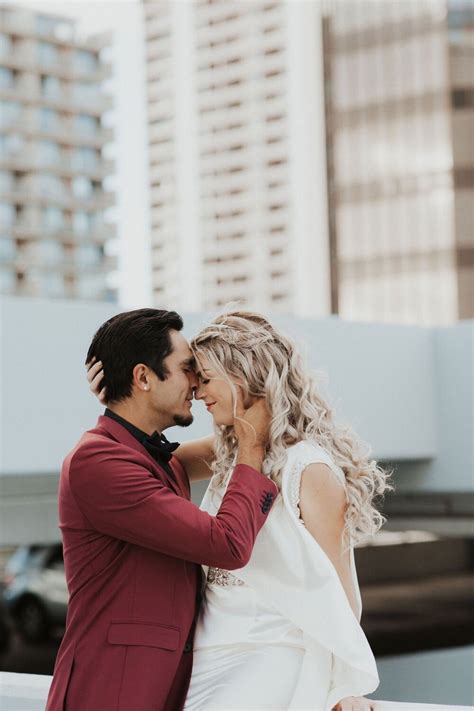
[196, 457]
[322, 505]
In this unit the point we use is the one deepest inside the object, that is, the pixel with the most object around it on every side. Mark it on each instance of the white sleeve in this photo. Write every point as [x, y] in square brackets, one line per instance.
[304, 454]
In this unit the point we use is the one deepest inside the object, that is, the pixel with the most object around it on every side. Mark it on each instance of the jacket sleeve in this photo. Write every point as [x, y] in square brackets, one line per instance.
[121, 498]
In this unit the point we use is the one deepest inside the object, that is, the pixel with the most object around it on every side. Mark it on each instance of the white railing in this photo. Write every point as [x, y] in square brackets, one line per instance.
[27, 692]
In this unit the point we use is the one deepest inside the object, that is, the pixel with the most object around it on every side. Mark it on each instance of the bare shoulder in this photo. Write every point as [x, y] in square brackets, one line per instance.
[318, 482]
[322, 507]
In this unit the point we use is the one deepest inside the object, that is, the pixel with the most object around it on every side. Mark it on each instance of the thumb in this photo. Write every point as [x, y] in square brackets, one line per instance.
[239, 402]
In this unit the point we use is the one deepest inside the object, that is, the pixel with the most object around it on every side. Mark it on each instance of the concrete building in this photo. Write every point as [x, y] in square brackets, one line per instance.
[53, 232]
[351, 195]
[400, 121]
[237, 155]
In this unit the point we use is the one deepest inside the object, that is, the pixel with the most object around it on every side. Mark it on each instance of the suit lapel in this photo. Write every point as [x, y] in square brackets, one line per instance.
[122, 435]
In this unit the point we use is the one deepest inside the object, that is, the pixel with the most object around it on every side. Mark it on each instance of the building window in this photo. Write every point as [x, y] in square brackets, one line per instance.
[6, 45]
[85, 159]
[7, 80]
[90, 255]
[62, 29]
[83, 222]
[85, 61]
[50, 252]
[7, 214]
[53, 218]
[7, 280]
[47, 54]
[10, 113]
[51, 185]
[7, 181]
[49, 152]
[7, 249]
[88, 125]
[82, 187]
[49, 119]
[84, 93]
[463, 98]
[50, 87]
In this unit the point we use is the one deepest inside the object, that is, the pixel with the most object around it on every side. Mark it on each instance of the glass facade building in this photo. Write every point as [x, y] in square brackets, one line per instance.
[400, 159]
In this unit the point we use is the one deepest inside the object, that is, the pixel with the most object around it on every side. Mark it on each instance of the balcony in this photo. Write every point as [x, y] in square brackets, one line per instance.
[27, 61]
[22, 24]
[27, 261]
[30, 196]
[35, 230]
[23, 162]
[65, 101]
[62, 132]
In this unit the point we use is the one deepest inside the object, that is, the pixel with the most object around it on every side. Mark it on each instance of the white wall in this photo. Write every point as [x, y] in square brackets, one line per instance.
[406, 390]
[453, 468]
[45, 402]
[381, 377]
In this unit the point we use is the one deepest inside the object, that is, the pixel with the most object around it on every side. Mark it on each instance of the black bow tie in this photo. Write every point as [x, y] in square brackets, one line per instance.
[159, 447]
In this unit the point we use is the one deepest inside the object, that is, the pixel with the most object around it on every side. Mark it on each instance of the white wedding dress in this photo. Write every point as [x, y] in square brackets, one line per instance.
[280, 633]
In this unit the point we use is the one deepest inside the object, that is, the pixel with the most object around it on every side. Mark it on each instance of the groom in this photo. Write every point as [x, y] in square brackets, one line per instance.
[133, 541]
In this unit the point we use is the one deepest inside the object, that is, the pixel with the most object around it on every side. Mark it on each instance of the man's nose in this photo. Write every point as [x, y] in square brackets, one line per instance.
[193, 381]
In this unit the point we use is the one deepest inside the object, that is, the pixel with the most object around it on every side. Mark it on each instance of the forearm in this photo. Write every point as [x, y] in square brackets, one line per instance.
[118, 497]
[196, 457]
[252, 455]
[343, 569]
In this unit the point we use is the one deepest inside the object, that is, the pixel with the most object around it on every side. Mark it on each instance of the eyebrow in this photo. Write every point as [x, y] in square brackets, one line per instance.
[189, 361]
[204, 370]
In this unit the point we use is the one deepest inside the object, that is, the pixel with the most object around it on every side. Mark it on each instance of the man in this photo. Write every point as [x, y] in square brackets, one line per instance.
[133, 542]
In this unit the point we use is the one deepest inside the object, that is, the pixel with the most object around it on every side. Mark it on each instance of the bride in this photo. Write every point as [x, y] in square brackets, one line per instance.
[283, 632]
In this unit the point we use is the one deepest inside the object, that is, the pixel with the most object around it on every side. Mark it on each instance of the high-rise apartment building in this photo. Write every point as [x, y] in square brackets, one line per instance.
[400, 120]
[313, 158]
[237, 155]
[53, 233]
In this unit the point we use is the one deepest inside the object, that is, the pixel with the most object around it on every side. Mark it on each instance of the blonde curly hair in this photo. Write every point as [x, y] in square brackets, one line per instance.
[244, 347]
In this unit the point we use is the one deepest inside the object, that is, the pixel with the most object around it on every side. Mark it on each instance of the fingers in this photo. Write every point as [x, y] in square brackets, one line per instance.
[239, 402]
[95, 382]
[355, 703]
[93, 369]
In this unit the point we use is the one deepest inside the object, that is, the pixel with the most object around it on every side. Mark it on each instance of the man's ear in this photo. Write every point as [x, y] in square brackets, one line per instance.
[141, 377]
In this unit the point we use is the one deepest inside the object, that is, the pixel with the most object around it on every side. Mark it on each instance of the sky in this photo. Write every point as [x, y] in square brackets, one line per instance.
[124, 19]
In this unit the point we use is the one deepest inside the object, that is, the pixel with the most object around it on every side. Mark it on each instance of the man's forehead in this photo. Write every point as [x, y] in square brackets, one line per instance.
[181, 347]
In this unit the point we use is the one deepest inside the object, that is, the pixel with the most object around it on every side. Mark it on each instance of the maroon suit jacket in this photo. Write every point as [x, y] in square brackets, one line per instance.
[133, 543]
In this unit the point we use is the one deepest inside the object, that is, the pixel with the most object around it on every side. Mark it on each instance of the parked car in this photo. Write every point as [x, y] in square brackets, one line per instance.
[35, 592]
[4, 630]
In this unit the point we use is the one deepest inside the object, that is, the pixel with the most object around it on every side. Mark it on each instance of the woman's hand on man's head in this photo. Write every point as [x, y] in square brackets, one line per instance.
[95, 375]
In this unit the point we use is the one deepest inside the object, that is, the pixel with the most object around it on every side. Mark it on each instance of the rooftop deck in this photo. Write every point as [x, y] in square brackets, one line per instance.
[27, 692]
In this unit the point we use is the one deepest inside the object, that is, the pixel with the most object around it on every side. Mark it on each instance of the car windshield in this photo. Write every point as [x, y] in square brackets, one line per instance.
[23, 557]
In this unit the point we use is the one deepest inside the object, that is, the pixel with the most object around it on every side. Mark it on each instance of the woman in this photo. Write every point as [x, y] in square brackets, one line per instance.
[283, 632]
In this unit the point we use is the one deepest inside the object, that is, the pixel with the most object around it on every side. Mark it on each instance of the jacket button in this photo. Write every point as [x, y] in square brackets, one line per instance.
[188, 647]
